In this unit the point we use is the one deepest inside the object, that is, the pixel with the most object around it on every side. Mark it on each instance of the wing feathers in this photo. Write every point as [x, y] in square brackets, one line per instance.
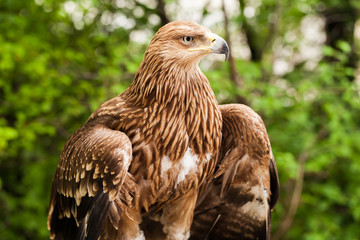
[91, 172]
[98, 216]
[238, 202]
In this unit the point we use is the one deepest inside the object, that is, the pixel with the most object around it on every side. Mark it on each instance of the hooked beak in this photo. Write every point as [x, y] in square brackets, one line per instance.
[219, 45]
[216, 45]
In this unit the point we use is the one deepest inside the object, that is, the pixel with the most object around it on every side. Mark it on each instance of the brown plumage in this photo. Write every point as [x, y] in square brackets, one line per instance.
[146, 150]
[239, 200]
[136, 167]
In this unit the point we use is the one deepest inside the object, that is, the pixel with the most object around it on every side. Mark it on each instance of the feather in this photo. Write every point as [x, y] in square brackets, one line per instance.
[97, 217]
[245, 187]
[86, 200]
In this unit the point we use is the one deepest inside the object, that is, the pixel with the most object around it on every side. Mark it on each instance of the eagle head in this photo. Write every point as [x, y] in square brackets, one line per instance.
[185, 43]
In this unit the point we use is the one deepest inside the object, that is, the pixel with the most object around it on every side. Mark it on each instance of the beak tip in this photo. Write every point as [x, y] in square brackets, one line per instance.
[225, 50]
[227, 53]
[221, 47]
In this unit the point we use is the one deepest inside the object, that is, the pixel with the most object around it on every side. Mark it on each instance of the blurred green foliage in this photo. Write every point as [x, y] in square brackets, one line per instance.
[56, 69]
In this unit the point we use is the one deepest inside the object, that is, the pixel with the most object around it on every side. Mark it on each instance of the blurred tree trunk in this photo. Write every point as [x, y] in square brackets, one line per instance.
[233, 73]
[339, 25]
[235, 77]
[256, 52]
[162, 12]
[260, 39]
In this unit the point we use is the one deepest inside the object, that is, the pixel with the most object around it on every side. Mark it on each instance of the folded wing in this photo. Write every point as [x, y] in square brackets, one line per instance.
[89, 188]
[237, 203]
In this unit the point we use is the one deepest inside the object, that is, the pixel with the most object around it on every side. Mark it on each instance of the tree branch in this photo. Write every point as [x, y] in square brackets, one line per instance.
[235, 77]
[249, 33]
[233, 72]
[257, 52]
[162, 12]
[295, 199]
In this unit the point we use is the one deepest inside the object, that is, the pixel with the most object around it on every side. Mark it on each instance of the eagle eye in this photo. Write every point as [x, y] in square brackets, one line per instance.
[187, 39]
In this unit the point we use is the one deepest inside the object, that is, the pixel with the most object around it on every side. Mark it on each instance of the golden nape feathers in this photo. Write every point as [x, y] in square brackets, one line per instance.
[145, 159]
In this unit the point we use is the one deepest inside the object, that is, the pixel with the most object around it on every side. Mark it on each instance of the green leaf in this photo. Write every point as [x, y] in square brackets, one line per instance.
[344, 46]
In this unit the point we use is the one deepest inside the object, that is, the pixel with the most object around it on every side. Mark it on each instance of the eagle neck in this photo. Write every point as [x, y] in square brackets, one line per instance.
[164, 81]
[178, 96]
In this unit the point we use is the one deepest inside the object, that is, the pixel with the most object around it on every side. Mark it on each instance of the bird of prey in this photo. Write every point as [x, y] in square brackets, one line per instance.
[150, 152]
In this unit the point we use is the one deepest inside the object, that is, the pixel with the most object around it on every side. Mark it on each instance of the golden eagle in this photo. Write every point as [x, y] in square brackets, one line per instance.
[163, 148]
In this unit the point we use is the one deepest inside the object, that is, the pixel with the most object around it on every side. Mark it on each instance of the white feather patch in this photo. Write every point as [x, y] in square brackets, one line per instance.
[140, 236]
[166, 164]
[187, 164]
[257, 209]
[180, 235]
[208, 157]
[126, 156]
